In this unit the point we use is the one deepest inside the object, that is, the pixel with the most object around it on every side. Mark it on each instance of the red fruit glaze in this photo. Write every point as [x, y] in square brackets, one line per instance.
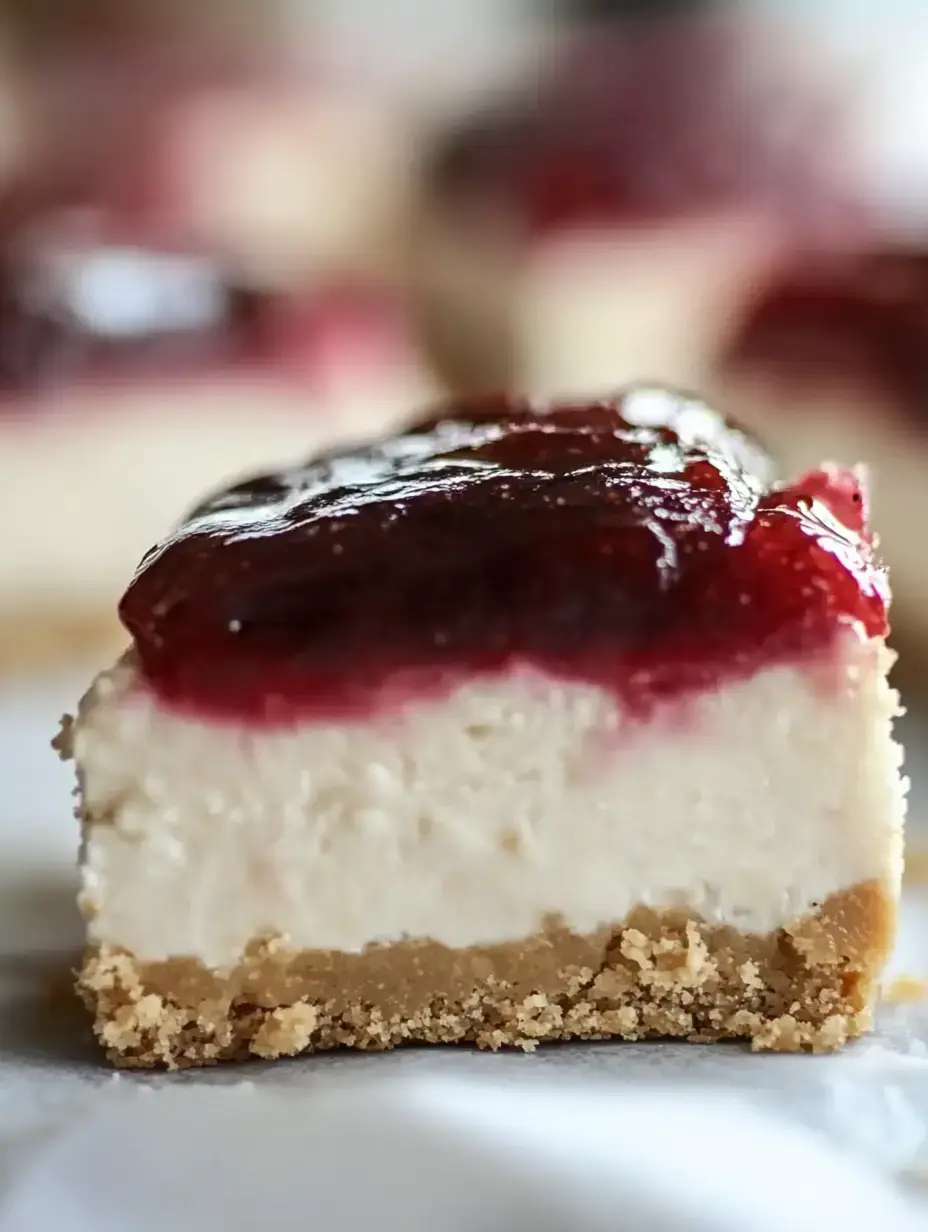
[633, 543]
[860, 321]
[656, 122]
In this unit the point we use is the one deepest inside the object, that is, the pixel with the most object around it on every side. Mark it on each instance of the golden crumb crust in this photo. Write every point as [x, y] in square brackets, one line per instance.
[806, 987]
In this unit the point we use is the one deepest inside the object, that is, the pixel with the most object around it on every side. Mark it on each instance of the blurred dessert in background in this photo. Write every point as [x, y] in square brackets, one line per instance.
[199, 276]
[131, 379]
[831, 358]
[605, 220]
[260, 150]
[828, 356]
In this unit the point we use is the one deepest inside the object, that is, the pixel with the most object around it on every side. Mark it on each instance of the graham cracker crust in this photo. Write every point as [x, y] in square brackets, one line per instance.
[805, 987]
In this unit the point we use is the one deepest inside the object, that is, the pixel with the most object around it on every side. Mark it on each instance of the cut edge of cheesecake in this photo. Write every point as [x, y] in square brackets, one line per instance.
[774, 931]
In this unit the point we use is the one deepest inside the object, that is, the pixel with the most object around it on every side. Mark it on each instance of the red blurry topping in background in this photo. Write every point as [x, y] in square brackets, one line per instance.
[859, 321]
[654, 121]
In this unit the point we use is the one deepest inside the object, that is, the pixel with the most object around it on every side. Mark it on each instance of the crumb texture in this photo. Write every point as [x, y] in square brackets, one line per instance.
[657, 975]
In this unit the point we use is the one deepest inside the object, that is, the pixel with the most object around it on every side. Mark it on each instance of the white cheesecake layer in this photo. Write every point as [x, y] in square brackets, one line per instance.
[473, 819]
[96, 477]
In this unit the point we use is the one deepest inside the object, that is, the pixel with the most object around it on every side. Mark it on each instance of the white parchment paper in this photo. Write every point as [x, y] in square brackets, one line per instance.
[449, 1153]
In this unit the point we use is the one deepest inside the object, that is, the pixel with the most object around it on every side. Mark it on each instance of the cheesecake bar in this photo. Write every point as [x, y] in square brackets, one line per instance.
[529, 723]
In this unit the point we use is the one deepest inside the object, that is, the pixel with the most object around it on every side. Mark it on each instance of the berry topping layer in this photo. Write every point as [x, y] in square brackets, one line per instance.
[670, 120]
[635, 543]
[858, 322]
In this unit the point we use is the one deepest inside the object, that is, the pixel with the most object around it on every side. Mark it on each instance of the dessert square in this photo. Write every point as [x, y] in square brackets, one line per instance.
[529, 723]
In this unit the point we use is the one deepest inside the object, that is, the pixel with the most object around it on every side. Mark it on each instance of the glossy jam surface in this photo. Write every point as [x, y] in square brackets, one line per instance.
[632, 543]
[861, 322]
[664, 120]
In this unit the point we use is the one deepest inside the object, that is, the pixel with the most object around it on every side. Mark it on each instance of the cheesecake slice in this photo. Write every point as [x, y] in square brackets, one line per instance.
[530, 723]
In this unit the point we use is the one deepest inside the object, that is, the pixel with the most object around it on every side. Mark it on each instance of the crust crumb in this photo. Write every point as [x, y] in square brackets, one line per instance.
[285, 1032]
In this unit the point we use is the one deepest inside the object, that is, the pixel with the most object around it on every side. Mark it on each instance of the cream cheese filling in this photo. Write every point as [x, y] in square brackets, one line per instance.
[472, 819]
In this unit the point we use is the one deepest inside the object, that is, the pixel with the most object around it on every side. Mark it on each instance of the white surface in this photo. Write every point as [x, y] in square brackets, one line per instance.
[449, 1155]
[474, 818]
[871, 1101]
